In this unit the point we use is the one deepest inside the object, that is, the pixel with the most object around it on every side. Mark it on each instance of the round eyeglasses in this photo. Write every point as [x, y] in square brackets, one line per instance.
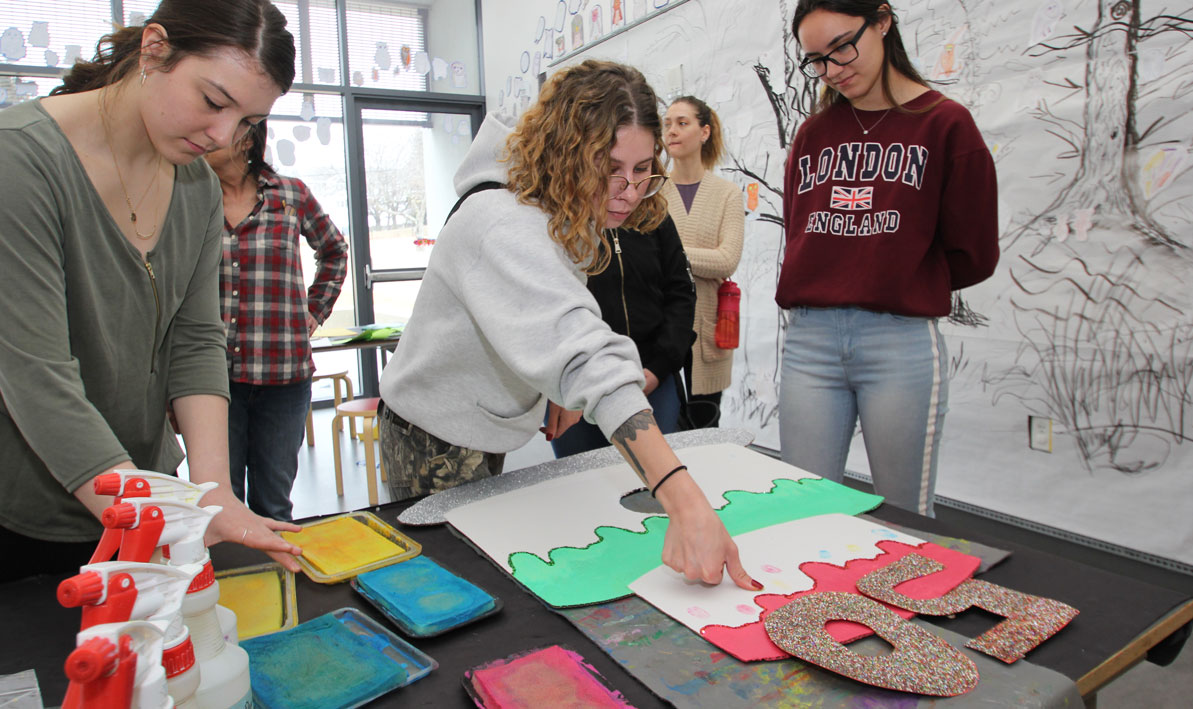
[649, 185]
[842, 54]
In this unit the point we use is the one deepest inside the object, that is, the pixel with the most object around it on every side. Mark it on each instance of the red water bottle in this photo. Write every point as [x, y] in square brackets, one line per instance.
[728, 309]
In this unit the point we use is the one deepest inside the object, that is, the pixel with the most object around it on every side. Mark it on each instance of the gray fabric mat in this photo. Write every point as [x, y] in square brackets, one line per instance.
[684, 669]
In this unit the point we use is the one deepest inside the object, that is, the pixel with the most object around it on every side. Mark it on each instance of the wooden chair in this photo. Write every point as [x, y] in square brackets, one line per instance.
[366, 410]
[341, 388]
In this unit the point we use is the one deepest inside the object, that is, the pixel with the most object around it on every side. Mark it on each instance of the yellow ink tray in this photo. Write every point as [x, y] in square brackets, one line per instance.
[338, 548]
[261, 596]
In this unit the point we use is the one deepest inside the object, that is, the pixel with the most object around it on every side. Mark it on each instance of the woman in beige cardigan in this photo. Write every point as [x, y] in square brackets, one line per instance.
[711, 220]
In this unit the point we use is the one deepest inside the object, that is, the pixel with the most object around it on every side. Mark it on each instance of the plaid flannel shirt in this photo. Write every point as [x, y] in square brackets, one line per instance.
[262, 298]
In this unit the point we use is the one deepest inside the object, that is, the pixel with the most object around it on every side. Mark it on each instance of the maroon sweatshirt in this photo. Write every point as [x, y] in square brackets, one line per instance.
[893, 220]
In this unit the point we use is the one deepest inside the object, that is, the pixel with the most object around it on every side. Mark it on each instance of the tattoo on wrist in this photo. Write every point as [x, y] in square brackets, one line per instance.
[628, 431]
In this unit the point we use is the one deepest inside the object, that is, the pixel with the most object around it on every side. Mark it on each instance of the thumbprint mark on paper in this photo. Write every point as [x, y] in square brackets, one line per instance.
[697, 612]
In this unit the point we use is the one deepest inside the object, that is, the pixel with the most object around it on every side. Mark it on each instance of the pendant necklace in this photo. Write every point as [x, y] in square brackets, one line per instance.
[132, 212]
[865, 130]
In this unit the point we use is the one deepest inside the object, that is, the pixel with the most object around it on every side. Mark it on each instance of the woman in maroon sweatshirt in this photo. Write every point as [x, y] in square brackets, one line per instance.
[890, 202]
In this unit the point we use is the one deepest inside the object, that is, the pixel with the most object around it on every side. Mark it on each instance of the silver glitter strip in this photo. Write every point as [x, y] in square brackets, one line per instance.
[1030, 620]
[920, 662]
[434, 509]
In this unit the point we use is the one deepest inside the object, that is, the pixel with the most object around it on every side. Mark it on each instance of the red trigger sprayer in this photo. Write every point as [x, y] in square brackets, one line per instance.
[117, 666]
[728, 315]
[120, 591]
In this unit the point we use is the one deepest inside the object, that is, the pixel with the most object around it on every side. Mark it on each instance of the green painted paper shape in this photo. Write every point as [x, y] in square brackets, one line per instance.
[603, 570]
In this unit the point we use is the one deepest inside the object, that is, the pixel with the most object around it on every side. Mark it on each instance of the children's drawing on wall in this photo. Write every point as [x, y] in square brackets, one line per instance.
[616, 14]
[577, 32]
[561, 15]
[597, 27]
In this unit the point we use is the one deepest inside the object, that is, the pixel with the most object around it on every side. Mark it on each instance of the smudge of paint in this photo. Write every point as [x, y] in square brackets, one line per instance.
[771, 569]
[257, 601]
[603, 570]
[550, 677]
[825, 554]
[317, 664]
[422, 597]
[746, 610]
[339, 546]
[697, 612]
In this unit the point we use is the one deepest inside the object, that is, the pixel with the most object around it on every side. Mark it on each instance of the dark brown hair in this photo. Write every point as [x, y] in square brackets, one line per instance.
[193, 28]
[254, 149]
[894, 55]
[711, 149]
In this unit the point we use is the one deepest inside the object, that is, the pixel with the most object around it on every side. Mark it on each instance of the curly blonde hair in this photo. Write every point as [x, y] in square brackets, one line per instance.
[559, 154]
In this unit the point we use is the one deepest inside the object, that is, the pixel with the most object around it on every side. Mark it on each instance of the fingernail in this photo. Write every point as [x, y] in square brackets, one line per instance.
[549, 436]
[757, 586]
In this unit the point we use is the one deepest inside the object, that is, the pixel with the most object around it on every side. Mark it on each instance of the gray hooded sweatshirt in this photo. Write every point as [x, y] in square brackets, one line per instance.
[503, 323]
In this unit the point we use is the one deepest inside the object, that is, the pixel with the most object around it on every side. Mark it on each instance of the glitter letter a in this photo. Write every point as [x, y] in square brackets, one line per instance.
[1030, 620]
[921, 662]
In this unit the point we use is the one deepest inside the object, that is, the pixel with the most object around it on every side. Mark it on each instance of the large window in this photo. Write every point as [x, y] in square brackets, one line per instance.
[383, 107]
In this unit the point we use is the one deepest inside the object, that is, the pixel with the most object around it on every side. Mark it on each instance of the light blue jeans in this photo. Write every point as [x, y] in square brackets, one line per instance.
[891, 371]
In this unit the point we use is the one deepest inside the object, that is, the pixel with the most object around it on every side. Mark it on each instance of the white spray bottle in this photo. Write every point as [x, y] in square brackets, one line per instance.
[118, 666]
[122, 484]
[120, 591]
[146, 523]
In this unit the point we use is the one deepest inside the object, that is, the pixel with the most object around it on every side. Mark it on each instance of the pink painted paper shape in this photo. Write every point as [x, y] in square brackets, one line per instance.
[750, 643]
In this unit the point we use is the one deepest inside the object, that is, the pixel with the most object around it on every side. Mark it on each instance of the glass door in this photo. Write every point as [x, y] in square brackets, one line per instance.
[408, 161]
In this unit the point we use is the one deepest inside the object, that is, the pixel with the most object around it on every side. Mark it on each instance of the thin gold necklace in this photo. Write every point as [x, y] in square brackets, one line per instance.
[865, 130]
[132, 212]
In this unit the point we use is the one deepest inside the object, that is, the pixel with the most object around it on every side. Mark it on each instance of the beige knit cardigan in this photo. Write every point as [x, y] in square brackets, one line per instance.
[712, 235]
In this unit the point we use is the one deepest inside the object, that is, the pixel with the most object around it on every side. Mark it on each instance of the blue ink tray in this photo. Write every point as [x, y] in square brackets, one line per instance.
[339, 659]
[423, 599]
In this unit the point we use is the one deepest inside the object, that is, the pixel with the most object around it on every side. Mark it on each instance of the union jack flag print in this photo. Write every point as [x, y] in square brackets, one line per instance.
[852, 198]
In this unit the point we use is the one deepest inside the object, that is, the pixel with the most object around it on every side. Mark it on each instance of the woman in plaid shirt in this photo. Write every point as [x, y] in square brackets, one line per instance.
[269, 316]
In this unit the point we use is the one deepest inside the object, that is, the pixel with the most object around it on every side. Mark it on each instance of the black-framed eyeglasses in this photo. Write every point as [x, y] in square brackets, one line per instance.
[843, 54]
[619, 183]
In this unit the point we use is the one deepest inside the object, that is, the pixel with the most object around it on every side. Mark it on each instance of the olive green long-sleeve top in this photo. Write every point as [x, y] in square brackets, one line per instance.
[94, 340]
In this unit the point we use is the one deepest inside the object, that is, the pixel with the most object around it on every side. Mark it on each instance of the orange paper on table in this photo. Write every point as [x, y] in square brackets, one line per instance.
[342, 545]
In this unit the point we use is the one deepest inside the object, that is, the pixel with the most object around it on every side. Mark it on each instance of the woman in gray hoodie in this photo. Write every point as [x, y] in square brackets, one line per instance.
[503, 321]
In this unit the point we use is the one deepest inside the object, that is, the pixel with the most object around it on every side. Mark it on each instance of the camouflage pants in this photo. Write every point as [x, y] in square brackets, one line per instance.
[418, 463]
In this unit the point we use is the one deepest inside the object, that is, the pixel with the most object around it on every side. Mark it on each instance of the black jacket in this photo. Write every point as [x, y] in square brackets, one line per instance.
[647, 293]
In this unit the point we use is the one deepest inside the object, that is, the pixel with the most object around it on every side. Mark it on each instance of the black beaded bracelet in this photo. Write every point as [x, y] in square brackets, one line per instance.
[664, 479]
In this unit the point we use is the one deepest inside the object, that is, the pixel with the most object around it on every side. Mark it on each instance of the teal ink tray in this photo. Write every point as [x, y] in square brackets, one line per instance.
[339, 659]
[423, 599]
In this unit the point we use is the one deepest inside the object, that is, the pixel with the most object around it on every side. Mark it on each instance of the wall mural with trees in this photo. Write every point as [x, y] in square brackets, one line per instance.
[1072, 368]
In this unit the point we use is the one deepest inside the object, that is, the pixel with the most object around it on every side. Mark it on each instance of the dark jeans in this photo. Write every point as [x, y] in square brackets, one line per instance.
[265, 429]
[584, 436]
[702, 410]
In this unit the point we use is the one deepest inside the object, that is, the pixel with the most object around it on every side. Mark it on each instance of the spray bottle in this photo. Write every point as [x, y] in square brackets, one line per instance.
[118, 666]
[122, 484]
[120, 591]
[136, 527]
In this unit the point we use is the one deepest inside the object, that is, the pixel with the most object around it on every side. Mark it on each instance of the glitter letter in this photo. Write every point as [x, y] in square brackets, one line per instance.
[921, 662]
[1030, 620]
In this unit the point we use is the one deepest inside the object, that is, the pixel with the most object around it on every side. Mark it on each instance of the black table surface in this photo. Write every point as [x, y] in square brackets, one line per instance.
[1117, 612]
